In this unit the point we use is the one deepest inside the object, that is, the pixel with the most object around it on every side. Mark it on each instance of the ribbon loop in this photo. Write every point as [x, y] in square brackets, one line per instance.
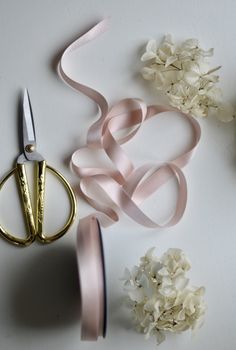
[124, 186]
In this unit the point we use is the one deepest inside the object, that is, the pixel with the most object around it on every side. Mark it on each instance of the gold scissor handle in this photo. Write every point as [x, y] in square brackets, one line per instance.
[44, 238]
[35, 230]
[24, 190]
[41, 175]
[25, 198]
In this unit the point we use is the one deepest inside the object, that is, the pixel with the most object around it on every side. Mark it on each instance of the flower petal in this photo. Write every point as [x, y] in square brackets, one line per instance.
[149, 55]
[151, 46]
[170, 60]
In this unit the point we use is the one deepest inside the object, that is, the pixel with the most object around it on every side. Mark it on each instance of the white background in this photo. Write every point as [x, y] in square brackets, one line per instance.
[39, 297]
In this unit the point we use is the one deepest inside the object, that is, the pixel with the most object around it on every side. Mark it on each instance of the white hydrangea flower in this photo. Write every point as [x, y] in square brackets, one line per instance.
[183, 73]
[160, 297]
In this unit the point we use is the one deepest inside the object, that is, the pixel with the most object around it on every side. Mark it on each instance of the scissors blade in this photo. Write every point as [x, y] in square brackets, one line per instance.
[29, 137]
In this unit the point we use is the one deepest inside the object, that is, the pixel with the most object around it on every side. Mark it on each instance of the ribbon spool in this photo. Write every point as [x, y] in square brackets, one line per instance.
[91, 269]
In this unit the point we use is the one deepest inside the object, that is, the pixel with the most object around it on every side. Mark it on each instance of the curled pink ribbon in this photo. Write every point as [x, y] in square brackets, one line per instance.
[124, 185]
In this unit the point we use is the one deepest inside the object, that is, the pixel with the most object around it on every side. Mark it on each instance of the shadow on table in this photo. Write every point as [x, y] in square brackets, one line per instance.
[47, 293]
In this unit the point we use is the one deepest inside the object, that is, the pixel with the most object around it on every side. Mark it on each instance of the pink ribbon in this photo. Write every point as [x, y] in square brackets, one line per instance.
[125, 186]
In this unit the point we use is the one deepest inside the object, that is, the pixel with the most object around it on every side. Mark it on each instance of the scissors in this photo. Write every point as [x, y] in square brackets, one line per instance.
[34, 221]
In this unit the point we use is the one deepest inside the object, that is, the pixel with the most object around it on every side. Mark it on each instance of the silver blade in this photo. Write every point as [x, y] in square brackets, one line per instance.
[29, 137]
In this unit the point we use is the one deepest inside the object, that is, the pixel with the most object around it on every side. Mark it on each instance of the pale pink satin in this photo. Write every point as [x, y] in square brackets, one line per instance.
[125, 186]
[91, 277]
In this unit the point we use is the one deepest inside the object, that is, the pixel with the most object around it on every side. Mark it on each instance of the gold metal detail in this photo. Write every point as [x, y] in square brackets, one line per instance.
[41, 172]
[30, 148]
[35, 229]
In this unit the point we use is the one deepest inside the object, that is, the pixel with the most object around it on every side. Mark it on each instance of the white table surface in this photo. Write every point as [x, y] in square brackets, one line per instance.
[39, 298]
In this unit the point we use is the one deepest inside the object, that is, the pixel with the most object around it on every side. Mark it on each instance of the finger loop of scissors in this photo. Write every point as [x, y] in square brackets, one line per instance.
[35, 229]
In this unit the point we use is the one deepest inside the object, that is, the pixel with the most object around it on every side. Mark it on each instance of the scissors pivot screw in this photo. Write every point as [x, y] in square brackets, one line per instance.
[30, 148]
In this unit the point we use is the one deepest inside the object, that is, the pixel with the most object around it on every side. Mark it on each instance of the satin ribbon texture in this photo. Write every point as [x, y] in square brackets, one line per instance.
[92, 277]
[125, 186]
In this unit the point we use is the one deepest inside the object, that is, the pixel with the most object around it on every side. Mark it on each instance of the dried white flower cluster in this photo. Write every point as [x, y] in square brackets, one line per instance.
[159, 295]
[183, 73]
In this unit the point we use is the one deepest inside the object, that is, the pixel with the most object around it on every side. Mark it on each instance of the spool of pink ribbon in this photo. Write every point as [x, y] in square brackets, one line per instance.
[124, 185]
[91, 267]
